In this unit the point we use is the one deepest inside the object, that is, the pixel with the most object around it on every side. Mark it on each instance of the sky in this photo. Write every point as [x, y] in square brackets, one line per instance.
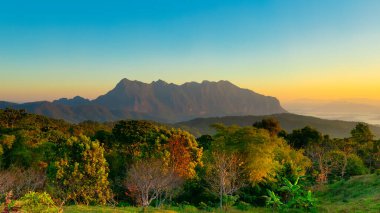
[294, 49]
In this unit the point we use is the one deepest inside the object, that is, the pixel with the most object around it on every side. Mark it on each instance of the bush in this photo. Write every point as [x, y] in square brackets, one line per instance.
[21, 181]
[38, 202]
[377, 172]
[123, 204]
[355, 166]
[294, 197]
[203, 206]
[188, 208]
[243, 206]
[229, 201]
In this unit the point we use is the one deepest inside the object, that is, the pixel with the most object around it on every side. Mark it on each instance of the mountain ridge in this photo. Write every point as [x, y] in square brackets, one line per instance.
[159, 101]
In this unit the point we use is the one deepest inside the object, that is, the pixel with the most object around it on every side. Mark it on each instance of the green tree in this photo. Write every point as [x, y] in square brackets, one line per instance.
[362, 133]
[205, 141]
[367, 148]
[302, 138]
[81, 172]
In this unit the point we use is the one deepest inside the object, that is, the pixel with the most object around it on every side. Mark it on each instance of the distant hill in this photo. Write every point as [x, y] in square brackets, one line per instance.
[158, 101]
[289, 122]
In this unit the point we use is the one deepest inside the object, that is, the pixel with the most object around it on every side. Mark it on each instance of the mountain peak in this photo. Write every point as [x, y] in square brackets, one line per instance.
[77, 100]
[159, 82]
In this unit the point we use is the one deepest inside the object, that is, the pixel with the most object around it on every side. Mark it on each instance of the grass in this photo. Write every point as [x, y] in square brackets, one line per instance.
[187, 209]
[106, 209]
[358, 194]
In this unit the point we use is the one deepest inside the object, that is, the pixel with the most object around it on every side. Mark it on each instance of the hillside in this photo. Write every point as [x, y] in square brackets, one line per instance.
[358, 194]
[158, 101]
[289, 122]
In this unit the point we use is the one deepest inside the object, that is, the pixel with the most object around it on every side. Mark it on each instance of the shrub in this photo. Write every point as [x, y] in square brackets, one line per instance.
[123, 204]
[295, 197]
[377, 172]
[188, 208]
[355, 166]
[203, 206]
[21, 181]
[243, 206]
[38, 202]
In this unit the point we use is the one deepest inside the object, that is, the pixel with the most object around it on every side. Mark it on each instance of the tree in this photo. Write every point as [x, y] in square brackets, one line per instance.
[361, 133]
[302, 138]
[346, 148]
[21, 181]
[141, 140]
[255, 147]
[263, 155]
[292, 163]
[81, 172]
[366, 147]
[6, 143]
[184, 154]
[271, 124]
[355, 166]
[205, 141]
[250, 155]
[323, 157]
[149, 179]
[225, 174]
[9, 117]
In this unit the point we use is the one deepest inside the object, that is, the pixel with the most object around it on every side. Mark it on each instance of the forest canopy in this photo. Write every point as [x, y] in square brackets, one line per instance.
[144, 163]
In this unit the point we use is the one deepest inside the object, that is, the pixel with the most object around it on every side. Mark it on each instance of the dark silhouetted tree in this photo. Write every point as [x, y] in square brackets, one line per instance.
[271, 124]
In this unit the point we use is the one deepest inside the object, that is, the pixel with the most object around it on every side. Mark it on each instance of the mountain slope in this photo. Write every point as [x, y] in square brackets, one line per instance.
[159, 101]
[289, 122]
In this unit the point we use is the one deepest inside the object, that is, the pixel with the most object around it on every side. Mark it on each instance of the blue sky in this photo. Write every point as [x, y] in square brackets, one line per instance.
[288, 49]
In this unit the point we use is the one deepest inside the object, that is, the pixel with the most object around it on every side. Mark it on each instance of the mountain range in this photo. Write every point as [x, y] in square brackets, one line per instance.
[159, 101]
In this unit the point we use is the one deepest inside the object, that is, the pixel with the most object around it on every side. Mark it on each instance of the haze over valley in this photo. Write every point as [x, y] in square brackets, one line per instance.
[363, 110]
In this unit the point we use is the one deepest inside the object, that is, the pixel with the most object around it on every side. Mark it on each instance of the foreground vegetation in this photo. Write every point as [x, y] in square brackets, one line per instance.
[50, 165]
[358, 194]
[188, 209]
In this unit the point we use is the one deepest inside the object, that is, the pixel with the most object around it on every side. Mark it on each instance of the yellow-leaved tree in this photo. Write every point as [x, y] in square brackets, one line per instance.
[81, 172]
